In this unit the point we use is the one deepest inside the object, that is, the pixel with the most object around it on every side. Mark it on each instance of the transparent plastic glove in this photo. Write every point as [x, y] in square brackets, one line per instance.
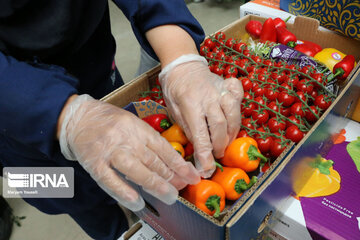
[107, 140]
[205, 105]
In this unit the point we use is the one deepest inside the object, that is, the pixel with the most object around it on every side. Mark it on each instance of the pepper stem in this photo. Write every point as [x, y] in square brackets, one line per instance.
[213, 203]
[323, 165]
[253, 154]
[338, 71]
[164, 124]
[219, 166]
[241, 186]
[291, 44]
[287, 19]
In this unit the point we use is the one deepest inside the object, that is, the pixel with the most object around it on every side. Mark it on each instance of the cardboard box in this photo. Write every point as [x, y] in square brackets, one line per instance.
[251, 213]
[141, 231]
[266, 9]
[332, 216]
[339, 16]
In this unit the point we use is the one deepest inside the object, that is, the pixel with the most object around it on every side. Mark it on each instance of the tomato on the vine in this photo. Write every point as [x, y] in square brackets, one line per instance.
[204, 50]
[297, 109]
[321, 102]
[260, 116]
[294, 134]
[310, 116]
[242, 133]
[264, 144]
[285, 98]
[248, 108]
[271, 94]
[209, 43]
[276, 124]
[161, 101]
[291, 119]
[246, 83]
[304, 86]
[276, 148]
[146, 98]
[220, 36]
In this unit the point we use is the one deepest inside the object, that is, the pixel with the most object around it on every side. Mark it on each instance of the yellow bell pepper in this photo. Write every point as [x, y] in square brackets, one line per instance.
[178, 147]
[316, 178]
[329, 57]
[175, 134]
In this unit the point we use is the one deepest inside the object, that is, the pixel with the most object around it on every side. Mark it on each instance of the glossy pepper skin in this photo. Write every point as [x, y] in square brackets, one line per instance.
[329, 57]
[343, 68]
[178, 147]
[278, 22]
[307, 47]
[254, 27]
[207, 195]
[234, 181]
[268, 32]
[285, 37]
[175, 134]
[160, 122]
[243, 153]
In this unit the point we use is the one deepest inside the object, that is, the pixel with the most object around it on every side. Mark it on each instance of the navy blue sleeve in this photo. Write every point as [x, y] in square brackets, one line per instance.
[31, 99]
[146, 14]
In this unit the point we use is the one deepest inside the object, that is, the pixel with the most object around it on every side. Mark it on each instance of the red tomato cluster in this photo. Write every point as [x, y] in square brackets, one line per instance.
[154, 94]
[281, 102]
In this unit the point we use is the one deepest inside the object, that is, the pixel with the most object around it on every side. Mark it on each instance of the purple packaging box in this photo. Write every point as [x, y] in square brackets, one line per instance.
[334, 213]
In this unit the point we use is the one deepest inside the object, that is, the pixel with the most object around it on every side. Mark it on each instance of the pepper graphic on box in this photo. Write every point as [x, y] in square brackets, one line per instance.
[338, 212]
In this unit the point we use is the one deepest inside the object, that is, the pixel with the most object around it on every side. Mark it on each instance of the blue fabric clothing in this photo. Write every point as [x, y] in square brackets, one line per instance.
[41, 65]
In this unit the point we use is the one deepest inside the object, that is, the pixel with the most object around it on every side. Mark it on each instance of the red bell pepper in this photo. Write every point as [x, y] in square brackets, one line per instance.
[254, 27]
[284, 36]
[307, 47]
[281, 23]
[268, 32]
[343, 68]
[160, 122]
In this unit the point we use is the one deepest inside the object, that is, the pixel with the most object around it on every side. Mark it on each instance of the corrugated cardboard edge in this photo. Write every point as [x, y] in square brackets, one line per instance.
[277, 171]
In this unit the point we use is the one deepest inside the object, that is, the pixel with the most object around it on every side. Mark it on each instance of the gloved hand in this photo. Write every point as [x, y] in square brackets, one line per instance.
[205, 105]
[107, 140]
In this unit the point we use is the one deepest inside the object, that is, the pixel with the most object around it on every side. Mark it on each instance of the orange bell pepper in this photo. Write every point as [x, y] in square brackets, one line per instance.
[234, 181]
[178, 147]
[207, 195]
[175, 134]
[243, 153]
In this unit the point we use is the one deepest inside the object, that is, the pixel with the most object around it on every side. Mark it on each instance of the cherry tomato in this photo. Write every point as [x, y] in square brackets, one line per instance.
[304, 86]
[147, 98]
[247, 84]
[286, 99]
[242, 133]
[271, 94]
[293, 119]
[260, 116]
[318, 77]
[276, 124]
[286, 111]
[297, 109]
[273, 106]
[230, 42]
[204, 50]
[247, 122]
[155, 93]
[220, 36]
[301, 96]
[240, 46]
[276, 149]
[209, 43]
[231, 70]
[320, 102]
[264, 145]
[259, 100]
[218, 69]
[248, 108]
[310, 116]
[294, 134]
[258, 91]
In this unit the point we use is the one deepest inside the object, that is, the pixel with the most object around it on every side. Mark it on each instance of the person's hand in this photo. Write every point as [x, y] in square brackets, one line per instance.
[205, 105]
[114, 146]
